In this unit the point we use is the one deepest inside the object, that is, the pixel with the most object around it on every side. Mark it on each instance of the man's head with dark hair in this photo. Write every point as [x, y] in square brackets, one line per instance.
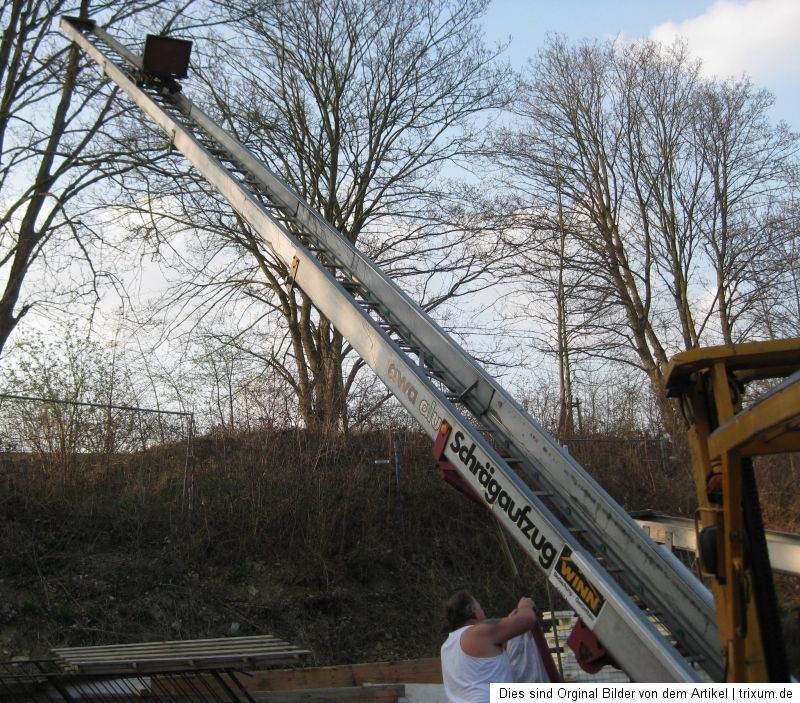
[460, 608]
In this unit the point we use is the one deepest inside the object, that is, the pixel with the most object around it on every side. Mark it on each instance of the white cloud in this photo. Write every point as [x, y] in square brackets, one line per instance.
[757, 37]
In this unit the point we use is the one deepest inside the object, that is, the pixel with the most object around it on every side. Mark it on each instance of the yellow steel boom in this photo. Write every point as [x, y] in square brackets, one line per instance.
[724, 435]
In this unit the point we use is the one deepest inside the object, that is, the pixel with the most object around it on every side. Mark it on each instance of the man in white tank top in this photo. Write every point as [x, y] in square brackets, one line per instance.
[473, 656]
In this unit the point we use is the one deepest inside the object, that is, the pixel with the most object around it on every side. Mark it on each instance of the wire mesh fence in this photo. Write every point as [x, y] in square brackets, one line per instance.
[47, 425]
[67, 448]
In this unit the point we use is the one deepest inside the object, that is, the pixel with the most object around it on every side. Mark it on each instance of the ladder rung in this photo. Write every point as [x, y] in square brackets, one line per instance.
[459, 397]
[609, 567]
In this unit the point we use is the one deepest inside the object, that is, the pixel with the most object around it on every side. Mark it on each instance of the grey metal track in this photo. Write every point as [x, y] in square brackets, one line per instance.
[680, 533]
[594, 554]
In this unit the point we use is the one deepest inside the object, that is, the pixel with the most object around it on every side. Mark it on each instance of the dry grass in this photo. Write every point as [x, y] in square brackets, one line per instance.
[300, 535]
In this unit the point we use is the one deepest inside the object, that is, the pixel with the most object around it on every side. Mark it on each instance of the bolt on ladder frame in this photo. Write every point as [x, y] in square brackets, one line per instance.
[723, 437]
[567, 547]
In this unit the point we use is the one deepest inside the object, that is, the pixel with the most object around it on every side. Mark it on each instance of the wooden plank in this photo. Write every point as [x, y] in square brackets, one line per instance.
[148, 653]
[387, 693]
[123, 667]
[253, 652]
[406, 671]
[215, 645]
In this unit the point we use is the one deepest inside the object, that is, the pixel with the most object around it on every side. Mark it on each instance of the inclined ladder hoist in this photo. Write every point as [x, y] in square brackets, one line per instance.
[647, 611]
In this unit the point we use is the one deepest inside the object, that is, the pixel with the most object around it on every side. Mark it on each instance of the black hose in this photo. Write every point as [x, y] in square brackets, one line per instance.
[769, 619]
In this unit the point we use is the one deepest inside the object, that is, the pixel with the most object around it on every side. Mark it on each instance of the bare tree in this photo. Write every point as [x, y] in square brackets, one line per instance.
[748, 163]
[654, 104]
[54, 148]
[646, 158]
[359, 105]
[546, 290]
[569, 145]
[62, 397]
[775, 313]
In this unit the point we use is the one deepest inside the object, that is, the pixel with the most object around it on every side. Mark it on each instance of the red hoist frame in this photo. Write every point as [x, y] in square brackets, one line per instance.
[589, 652]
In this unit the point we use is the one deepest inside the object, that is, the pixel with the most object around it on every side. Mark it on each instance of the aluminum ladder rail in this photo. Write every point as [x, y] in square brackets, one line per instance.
[429, 389]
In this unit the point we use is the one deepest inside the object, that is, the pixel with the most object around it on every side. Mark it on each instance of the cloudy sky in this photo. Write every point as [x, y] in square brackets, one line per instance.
[732, 37]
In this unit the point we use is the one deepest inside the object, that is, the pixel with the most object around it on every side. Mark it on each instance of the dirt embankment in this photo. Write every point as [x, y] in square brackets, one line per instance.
[300, 536]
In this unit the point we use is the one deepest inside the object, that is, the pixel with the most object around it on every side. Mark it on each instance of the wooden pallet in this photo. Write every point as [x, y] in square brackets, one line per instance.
[251, 653]
[377, 693]
[327, 677]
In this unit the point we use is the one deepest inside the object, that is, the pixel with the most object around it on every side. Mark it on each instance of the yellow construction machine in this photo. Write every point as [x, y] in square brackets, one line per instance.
[725, 432]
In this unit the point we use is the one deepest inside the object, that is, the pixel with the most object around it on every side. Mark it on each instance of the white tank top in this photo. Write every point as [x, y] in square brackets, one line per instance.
[467, 678]
[526, 661]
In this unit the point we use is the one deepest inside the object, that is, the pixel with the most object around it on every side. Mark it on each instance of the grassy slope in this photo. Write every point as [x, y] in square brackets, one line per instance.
[299, 536]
